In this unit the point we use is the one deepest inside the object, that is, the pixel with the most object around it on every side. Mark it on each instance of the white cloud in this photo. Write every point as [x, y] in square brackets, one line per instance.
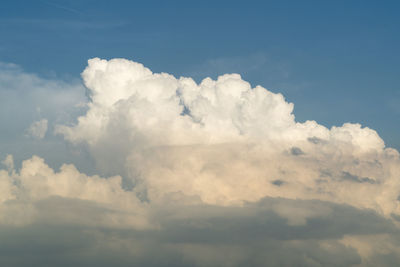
[225, 143]
[36, 182]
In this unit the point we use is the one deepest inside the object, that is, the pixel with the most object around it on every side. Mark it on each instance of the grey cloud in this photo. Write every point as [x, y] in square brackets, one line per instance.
[315, 140]
[354, 178]
[38, 129]
[257, 221]
[253, 235]
[295, 151]
[278, 182]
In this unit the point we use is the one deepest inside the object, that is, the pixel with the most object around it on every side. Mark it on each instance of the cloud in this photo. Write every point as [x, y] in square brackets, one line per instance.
[67, 217]
[53, 99]
[222, 142]
[38, 129]
[27, 101]
[89, 220]
[215, 173]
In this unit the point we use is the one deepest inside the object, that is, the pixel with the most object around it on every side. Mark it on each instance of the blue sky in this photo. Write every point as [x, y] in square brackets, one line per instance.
[336, 61]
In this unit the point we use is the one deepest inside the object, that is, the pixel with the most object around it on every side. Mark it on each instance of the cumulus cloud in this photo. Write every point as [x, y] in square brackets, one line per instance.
[223, 142]
[211, 174]
[91, 220]
[36, 182]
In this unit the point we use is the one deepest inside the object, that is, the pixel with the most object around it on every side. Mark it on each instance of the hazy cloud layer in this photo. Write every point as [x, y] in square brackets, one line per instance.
[209, 174]
[27, 102]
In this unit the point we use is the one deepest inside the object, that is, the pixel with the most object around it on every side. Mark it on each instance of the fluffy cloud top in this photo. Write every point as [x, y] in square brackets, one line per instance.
[223, 142]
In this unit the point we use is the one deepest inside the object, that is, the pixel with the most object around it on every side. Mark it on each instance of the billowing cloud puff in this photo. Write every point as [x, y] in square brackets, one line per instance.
[210, 174]
[36, 182]
[67, 217]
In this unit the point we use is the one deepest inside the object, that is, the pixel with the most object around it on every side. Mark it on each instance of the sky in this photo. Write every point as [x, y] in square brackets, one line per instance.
[199, 133]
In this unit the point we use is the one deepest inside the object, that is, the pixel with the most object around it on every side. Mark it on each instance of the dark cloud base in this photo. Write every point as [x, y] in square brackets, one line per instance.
[253, 235]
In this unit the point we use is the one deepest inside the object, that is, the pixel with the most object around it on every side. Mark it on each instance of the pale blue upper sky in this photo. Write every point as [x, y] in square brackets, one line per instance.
[337, 61]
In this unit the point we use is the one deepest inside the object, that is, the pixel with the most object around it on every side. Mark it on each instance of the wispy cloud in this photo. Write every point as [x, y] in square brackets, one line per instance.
[38, 129]
[57, 24]
[63, 7]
